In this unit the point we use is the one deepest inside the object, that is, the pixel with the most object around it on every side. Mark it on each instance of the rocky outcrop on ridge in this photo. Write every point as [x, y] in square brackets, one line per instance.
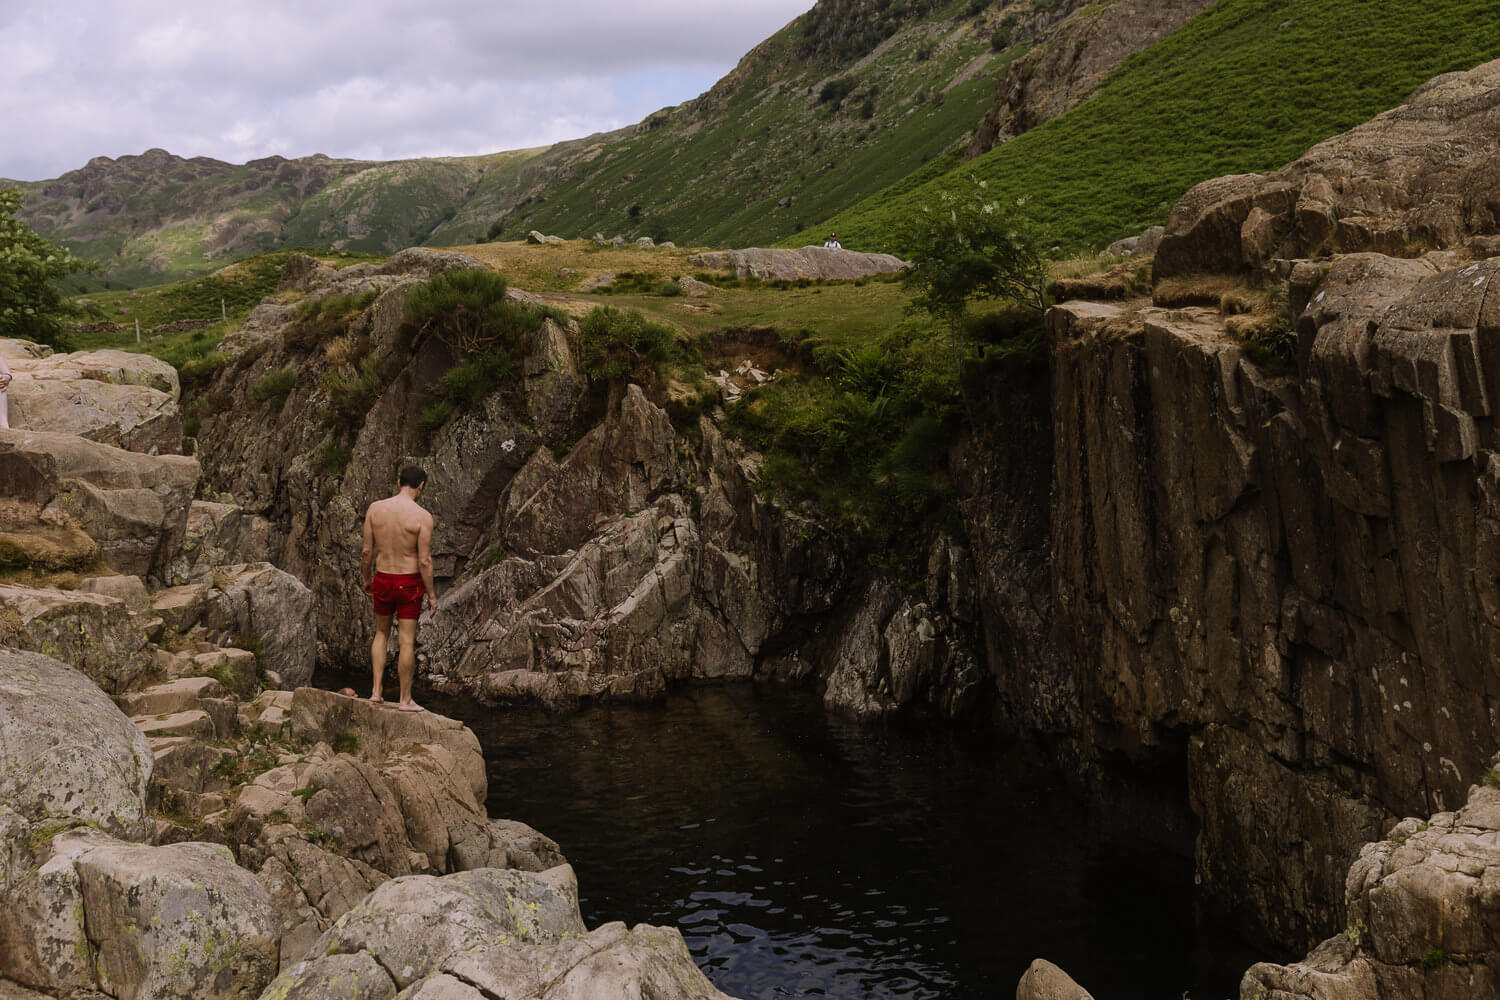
[1419, 177]
[813, 263]
[1070, 62]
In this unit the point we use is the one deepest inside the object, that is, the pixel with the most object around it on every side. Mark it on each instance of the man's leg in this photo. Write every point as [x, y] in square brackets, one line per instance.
[377, 653]
[4, 408]
[406, 661]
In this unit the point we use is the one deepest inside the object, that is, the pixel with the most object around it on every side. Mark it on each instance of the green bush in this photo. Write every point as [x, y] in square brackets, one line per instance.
[617, 343]
[471, 313]
[333, 457]
[864, 433]
[274, 387]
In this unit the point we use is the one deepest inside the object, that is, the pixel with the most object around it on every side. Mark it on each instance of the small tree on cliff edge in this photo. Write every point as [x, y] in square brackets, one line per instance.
[31, 308]
[967, 246]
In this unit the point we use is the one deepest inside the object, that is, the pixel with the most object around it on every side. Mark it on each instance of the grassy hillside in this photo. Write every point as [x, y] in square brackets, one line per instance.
[1244, 87]
[816, 118]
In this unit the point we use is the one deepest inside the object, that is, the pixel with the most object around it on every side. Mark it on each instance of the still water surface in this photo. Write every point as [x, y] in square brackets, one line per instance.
[802, 855]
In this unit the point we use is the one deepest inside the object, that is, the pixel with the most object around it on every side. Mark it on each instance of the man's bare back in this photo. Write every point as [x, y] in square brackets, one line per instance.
[396, 525]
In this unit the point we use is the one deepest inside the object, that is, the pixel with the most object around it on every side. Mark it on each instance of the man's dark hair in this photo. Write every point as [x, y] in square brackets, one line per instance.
[412, 476]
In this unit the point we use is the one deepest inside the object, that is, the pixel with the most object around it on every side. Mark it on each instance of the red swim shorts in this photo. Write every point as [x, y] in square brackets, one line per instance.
[398, 593]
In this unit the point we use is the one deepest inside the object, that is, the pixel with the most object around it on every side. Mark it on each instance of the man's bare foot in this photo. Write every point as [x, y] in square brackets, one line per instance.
[410, 706]
[376, 697]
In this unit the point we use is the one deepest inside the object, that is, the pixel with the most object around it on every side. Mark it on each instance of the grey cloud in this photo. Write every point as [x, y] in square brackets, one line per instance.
[376, 79]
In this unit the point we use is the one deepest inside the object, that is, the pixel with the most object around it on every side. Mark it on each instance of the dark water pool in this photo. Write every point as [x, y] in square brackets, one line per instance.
[802, 855]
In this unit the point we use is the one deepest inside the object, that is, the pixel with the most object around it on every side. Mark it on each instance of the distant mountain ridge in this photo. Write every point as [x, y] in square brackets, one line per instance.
[850, 98]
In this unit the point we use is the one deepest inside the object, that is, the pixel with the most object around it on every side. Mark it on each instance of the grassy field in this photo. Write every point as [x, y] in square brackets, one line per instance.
[1246, 86]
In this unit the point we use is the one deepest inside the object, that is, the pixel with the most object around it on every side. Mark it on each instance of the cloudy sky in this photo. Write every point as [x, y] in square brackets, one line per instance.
[374, 79]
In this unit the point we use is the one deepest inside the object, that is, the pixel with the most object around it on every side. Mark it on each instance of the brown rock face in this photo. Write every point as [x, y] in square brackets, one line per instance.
[1291, 571]
[1419, 177]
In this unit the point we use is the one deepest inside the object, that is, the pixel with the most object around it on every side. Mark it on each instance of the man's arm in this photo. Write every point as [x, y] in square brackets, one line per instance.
[424, 560]
[367, 555]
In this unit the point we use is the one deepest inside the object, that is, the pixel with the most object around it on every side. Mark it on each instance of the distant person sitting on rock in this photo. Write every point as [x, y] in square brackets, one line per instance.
[4, 394]
[832, 243]
[396, 569]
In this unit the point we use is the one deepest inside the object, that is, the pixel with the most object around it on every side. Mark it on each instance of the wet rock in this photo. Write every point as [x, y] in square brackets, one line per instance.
[1045, 981]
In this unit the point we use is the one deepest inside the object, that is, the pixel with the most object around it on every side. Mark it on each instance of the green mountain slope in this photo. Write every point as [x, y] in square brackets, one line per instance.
[1244, 87]
[845, 101]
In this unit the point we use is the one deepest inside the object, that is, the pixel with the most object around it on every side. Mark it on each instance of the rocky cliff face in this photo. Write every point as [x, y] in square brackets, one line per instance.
[1287, 575]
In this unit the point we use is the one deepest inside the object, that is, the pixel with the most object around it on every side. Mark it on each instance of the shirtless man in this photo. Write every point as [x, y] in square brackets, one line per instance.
[396, 568]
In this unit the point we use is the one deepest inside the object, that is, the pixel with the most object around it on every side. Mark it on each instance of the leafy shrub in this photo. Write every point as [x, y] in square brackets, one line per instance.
[668, 289]
[471, 313]
[201, 370]
[274, 387]
[333, 457]
[865, 434]
[617, 343]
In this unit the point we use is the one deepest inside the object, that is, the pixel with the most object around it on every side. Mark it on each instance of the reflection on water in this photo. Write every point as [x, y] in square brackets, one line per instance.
[807, 856]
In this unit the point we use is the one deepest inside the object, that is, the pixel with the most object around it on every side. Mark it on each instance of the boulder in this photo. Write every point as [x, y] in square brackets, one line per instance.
[380, 730]
[130, 589]
[814, 263]
[135, 921]
[218, 534]
[180, 920]
[93, 633]
[337, 977]
[71, 756]
[644, 961]
[113, 397]
[1423, 919]
[48, 540]
[1045, 981]
[133, 505]
[269, 605]
[412, 925]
